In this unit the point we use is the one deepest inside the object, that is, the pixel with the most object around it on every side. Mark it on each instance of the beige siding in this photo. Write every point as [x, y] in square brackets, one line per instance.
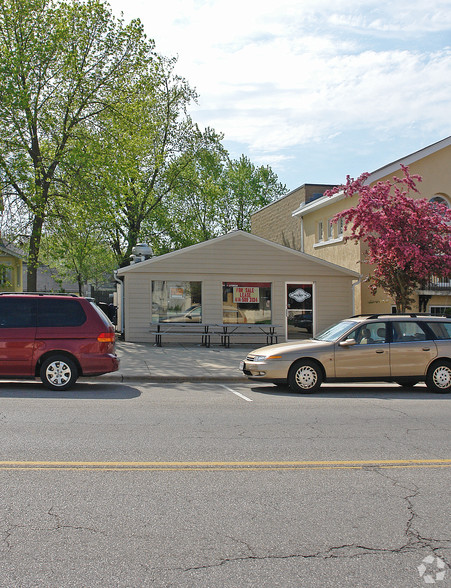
[333, 299]
[236, 258]
[228, 256]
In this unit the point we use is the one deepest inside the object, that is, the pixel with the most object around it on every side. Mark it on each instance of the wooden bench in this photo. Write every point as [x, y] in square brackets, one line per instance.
[182, 329]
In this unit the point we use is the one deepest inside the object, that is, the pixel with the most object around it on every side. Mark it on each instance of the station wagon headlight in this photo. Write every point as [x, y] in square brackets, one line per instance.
[259, 357]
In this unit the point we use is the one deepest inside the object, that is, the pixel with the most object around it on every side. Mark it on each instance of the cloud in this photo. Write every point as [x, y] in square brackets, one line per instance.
[278, 76]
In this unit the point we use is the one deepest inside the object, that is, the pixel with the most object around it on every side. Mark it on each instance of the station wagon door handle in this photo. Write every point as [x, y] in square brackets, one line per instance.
[426, 348]
[379, 351]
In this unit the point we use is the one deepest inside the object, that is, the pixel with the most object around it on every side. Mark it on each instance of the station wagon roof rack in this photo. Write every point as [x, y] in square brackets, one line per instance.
[410, 314]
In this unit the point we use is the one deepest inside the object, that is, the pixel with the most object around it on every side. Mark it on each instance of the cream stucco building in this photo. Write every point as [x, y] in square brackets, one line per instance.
[316, 235]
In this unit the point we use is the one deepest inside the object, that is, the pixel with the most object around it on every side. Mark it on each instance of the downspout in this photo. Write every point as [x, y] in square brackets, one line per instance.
[354, 284]
[302, 234]
[118, 281]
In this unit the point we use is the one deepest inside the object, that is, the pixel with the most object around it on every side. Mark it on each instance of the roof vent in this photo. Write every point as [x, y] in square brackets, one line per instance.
[140, 252]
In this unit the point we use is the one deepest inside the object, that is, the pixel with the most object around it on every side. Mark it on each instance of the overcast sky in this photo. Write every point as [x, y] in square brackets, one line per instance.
[317, 89]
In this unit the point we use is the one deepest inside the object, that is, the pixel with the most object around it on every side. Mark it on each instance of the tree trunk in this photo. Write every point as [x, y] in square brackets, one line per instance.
[33, 253]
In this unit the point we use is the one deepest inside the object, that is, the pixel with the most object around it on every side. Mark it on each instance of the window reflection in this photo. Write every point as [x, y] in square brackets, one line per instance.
[176, 301]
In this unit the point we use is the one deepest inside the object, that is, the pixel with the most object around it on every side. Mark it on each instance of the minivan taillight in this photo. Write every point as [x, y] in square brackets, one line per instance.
[106, 338]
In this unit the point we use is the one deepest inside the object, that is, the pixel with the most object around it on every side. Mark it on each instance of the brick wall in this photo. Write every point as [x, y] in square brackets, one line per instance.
[274, 221]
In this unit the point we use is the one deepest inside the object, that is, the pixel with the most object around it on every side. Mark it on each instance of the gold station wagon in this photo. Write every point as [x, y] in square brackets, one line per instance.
[401, 348]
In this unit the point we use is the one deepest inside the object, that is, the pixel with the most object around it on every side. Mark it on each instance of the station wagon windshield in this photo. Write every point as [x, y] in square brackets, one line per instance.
[336, 331]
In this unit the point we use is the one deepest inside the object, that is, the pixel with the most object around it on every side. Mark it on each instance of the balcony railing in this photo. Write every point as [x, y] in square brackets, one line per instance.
[437, 283]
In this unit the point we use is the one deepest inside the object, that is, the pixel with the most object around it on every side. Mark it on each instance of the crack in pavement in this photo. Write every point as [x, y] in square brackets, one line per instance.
[351, 550]
[414, 540]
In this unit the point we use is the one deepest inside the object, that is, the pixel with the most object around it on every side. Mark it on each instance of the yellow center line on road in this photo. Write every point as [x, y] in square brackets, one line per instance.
[221, 465]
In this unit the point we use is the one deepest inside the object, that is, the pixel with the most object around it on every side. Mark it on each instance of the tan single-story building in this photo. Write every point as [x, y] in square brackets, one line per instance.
[237, 278]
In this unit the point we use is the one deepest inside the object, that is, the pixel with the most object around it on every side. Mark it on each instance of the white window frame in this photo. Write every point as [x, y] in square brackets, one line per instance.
[438, 308]
[330, 229]
[320, 231]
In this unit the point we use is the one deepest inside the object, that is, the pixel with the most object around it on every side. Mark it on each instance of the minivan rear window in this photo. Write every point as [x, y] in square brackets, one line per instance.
[106, 321]
[60, 313]
[17, 313]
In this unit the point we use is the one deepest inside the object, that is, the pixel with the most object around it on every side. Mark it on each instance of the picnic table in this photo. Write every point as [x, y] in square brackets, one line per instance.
[226, 331]
[229, 330]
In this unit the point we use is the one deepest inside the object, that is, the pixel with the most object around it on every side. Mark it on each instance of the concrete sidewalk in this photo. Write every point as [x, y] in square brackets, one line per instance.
[144, 362]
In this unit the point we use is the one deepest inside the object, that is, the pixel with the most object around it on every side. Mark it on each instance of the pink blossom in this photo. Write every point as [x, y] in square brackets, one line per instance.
[406, 239]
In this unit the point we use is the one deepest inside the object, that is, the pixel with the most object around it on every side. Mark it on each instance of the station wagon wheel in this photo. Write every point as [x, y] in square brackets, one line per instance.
[305, 376]
[58, 372]
[438, 378]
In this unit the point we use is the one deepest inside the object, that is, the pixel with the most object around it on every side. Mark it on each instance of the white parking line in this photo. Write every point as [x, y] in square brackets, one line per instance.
[236, 393]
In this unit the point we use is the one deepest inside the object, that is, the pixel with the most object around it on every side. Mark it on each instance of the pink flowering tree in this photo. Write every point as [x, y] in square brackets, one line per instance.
[406, 240]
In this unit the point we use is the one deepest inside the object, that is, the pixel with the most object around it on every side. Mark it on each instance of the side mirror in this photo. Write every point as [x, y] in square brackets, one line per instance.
[347, 343]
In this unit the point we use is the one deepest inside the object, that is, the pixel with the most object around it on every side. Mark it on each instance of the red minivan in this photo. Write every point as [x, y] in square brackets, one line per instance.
[55, 337]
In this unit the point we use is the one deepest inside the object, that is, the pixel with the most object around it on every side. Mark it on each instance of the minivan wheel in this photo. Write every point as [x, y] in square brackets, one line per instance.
[438, 378]
[58, 372]
[305, 376]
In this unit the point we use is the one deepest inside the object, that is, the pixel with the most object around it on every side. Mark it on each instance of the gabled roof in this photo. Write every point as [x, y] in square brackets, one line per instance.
[376, 175]
[9, 250]
[147, 265]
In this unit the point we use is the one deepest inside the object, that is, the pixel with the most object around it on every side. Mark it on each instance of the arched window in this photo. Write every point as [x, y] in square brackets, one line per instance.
[438, 199]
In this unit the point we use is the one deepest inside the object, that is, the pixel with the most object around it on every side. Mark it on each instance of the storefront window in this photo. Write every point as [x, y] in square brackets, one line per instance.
[246, 302]
[176, 302]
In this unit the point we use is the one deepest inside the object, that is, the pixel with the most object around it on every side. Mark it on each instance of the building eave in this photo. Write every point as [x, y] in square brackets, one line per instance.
[375, 176]
[7, 251]
[317, 204]
[146, 265]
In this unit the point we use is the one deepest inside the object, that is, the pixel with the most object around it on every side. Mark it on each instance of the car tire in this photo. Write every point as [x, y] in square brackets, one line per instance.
[305, 376]
[438, 378]
[408, 383]
[58, 372]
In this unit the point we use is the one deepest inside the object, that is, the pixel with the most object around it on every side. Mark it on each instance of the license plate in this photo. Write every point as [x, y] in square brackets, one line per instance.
[241, 365]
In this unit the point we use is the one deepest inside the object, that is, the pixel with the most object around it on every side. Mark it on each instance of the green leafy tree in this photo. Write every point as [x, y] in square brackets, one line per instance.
[190, 215]
[138, 154]
[76, 246]
[246, 188]
[61, 66]
[215, 195]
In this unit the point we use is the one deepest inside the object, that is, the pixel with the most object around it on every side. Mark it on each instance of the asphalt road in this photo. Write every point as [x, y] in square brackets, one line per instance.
[219, 485]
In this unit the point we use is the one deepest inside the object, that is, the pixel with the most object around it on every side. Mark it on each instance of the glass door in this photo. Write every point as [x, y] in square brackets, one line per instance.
[299, 311]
